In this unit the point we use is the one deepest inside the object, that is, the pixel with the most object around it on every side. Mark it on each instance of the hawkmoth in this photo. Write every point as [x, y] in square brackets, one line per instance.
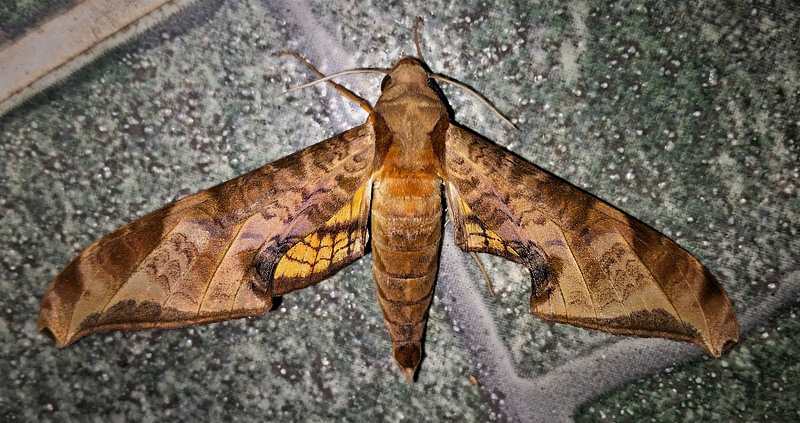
[231, 250]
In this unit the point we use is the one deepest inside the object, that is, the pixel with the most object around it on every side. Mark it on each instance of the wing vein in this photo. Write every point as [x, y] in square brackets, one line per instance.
[583, 277]
[239, 228]
[657, 282]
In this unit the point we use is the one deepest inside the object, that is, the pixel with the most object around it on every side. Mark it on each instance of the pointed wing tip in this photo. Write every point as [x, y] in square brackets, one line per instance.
[717, 347]
[52, 331]
[716, 351]
[724, 336]
[51, 321]
[45, 319]
[60, 342]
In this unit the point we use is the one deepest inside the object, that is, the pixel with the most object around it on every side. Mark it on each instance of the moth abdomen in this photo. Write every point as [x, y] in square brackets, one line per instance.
[406, 235]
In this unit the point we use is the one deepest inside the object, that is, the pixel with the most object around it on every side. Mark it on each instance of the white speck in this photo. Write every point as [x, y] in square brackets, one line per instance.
[283, 371]
[712, 77]
[690, 219]
[696, 114]
[467, 19]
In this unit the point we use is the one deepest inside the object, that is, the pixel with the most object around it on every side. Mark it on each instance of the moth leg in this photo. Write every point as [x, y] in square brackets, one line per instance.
[483, 270]
[344, 91]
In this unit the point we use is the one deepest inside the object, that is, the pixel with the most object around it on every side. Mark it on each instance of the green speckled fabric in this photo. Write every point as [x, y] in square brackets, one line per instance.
[683, 114]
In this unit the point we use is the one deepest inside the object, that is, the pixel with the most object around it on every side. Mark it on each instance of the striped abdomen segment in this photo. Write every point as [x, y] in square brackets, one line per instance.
[406, 233]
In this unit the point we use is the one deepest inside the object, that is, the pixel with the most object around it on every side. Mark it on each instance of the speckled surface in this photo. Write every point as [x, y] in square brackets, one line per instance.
[684, 116]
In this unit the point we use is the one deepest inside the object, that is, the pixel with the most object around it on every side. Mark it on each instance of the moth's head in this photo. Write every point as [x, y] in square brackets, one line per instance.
[406, 73]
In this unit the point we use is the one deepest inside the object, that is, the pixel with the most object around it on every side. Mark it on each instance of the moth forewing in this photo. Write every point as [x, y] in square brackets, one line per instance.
[591, 264]
[210, 256]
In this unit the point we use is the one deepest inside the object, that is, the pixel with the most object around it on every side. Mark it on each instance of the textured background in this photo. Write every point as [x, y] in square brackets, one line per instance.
[685, 116]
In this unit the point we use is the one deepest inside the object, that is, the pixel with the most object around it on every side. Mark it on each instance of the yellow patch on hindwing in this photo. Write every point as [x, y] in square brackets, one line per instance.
[477, 235]
[320, 252]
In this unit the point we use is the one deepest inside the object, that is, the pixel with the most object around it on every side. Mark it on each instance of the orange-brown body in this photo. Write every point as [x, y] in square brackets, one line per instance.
[407, 200]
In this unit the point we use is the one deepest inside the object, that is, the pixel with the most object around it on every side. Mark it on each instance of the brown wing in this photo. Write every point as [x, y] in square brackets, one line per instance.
[591, 264]
[212, 256]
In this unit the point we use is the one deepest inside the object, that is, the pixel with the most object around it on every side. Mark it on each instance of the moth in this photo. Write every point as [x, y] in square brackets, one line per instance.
[231, 250]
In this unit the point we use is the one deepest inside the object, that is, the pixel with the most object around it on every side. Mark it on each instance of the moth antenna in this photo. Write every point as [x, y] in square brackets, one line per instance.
[416, 37]
[335, 75]
[344, 91]
[474, 94]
